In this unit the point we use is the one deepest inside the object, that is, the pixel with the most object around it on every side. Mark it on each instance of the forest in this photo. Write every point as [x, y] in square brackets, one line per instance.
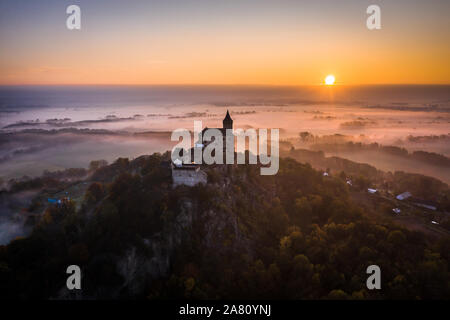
[294, 235]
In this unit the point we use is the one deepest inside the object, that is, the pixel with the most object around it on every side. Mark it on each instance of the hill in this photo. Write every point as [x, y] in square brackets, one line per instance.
[295, 235]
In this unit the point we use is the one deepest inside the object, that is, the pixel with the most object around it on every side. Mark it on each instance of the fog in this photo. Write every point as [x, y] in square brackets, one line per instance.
[12, 219]
[43, 139]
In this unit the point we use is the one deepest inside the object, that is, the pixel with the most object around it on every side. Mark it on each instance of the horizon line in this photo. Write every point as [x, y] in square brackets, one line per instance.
[217, 85]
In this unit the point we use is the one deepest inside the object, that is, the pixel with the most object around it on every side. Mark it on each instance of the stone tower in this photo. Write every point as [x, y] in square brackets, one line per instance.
[227, 121]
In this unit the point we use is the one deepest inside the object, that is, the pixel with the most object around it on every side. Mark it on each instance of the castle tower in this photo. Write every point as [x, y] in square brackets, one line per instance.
[227, 121]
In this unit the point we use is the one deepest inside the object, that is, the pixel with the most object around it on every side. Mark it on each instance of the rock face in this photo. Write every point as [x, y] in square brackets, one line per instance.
[196, 219]
[138, 270]
[217, 229]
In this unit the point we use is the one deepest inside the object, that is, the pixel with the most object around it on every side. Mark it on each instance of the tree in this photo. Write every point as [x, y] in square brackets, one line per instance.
[94, 193]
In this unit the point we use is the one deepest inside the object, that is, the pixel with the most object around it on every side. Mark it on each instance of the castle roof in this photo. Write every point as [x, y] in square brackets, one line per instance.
[227, 117]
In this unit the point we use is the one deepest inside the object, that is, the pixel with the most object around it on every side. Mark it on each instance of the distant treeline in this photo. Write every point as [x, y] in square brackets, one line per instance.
[422, 156]
[66, 122]
[430, 138]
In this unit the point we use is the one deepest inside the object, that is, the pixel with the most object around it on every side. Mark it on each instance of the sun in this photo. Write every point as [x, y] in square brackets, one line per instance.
[329, 80]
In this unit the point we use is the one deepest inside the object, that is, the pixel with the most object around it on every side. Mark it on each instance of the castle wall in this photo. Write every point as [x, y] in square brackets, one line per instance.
[188, 177]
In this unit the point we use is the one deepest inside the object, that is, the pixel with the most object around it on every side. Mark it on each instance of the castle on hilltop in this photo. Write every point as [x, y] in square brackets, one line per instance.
[227, 123]
[190, 174]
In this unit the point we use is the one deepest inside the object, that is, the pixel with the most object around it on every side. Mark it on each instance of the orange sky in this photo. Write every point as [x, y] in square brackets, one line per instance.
[226, 44]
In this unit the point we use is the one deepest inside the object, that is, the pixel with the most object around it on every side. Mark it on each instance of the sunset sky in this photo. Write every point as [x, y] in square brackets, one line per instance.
[282, 42]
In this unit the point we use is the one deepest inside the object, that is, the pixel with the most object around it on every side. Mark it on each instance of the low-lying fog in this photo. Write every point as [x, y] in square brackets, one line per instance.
[55, 128]
[33, 141]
